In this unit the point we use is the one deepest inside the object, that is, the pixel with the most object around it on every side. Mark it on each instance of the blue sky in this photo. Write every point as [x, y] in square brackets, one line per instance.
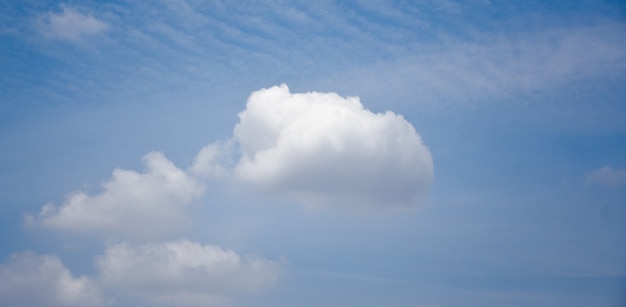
[209, 153]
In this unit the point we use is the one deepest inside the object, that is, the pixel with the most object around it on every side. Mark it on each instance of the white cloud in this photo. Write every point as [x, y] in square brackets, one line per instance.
[183, 273]
[213, 160]
[607, 176]
[320, 148]
[133, 204]
[28, 279]
[326, 149]
[70, 25]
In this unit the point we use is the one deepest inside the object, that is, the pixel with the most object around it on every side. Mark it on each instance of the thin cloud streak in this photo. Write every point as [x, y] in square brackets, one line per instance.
[70, 25]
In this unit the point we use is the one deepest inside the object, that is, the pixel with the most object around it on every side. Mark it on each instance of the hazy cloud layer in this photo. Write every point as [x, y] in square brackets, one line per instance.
[132, 204]
[69, 25]
[28, 279]
[607, 176]
[183, 273]
[326, 149]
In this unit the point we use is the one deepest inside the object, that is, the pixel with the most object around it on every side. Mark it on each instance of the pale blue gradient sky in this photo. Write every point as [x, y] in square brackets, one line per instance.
[517, 103]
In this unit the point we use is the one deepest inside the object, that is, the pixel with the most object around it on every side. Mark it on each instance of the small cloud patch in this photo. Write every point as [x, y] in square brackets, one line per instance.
[69, 25]
[606, 176]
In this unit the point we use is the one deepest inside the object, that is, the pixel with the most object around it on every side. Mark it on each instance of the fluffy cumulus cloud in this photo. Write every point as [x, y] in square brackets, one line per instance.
[70, 25]
[326, 149]
[322, 148]
[28, 279]
[607, 176]
[134, 204]
[183, 273]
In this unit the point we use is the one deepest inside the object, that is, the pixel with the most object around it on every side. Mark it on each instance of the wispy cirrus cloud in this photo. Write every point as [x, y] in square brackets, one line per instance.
[370, 48]
[69, 25]
[493, 66]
